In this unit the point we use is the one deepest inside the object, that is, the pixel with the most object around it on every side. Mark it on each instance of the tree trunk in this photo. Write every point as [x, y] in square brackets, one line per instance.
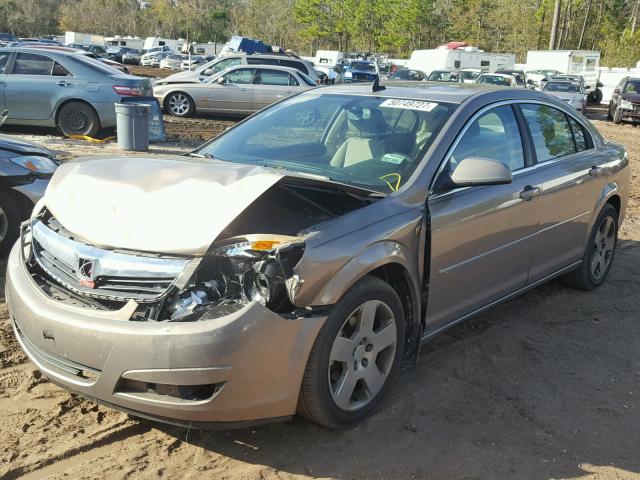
[544, 16]
[584, 24]
[554, 25]
[597, 31]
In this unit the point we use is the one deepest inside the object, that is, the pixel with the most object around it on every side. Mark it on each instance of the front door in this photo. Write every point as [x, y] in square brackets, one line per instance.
[4, 61]
[481, 237]
[35, 85]
[234, 95]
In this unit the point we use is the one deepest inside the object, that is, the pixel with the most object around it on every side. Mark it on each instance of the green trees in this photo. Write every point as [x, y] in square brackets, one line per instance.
[393, 26]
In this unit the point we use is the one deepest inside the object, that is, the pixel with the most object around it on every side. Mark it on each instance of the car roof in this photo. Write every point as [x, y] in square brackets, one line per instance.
[432, 91]
[66, 51]
[265, 67]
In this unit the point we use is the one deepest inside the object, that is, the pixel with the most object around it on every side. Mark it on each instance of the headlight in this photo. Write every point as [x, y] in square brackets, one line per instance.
[36, 164]
[626, 105]
[252, 268]
[348, 75]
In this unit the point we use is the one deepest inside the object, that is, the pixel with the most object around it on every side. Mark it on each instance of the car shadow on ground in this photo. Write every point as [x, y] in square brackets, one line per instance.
[543, 386]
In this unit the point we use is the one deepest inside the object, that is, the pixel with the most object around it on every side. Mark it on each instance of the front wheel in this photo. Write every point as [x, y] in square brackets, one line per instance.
[355, 356]
[617, 116]
[598, 255]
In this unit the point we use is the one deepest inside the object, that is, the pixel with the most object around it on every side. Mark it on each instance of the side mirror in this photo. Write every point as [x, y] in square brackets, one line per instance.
[220, 80]
[208, 72]
[616, 91]
[587, 87]
[476, 171]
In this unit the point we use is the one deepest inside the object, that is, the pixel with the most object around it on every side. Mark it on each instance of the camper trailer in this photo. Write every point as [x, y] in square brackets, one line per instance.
[458, 55]
[78, 37]
[129, 42]
[174, 45]
[328, 58]
[571, 62]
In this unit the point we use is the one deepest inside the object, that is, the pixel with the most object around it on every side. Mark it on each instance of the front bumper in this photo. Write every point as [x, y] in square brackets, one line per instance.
[253, 358]
[628, 114]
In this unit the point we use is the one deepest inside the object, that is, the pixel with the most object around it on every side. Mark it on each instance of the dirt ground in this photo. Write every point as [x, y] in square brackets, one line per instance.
[544, 386]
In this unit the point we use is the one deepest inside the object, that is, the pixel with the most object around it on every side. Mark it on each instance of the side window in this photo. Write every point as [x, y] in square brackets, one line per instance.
[494, 135]
[60, 71]
[293, 82]
[293, 64]
[552, 137]
[242, 76]
[273, 77]
[579, 135]
[224, 64]
[257, 60]
[4, 58]
[31, 64]
[457, 64]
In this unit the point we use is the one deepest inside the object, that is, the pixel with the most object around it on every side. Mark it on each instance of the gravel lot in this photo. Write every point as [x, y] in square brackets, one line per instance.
[544, 386]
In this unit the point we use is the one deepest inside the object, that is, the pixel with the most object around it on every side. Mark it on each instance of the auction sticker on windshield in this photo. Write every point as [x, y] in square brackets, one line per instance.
[409, 104]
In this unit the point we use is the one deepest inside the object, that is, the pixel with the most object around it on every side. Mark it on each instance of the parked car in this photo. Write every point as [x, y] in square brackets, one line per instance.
[291, 263]
[50, 87]
[361, 71]
[7, 38]
[537, 78]
[444, 76]
[470, 75]
[98, 50]
[25, 169]
[172, 61]
[153, 59]
[499, 79]
[201, 73]
[132, 57]
[408, 74]
[194, 62]
[519, 75]
[625, 101]
[570, 92]
[115, 53]
[329, 75]
[240, 90]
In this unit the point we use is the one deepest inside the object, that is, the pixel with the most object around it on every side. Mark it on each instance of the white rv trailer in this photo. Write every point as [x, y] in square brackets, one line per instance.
[79, 37]
[572, 62]
[444, 57]
[327, 58]
[130, 42]
[174, 45]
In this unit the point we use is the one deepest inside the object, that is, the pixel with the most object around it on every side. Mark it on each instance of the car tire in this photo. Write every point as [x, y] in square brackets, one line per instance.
[599, 253]
[617, 116]
[78, 118]
[10, 219]
[349, 354]
[179, 104]
[609, 116]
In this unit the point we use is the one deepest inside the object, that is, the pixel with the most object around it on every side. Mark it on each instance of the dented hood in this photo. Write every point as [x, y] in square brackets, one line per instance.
[172, 205]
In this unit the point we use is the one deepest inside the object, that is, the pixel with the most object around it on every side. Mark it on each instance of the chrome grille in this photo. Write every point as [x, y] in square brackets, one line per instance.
[110, 275]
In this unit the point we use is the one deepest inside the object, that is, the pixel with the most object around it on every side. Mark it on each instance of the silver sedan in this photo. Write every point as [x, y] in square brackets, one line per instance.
[241, 90]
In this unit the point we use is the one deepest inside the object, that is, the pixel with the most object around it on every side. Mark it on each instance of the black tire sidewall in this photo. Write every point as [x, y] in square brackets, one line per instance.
[67, 109]
[14, 217]
[371, 289]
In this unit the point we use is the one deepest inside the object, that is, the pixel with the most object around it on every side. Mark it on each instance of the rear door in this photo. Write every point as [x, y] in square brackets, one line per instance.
[481, 237]
[35, 86]
[235, 94]
[4, 63]
[270, 85]
[571, 178]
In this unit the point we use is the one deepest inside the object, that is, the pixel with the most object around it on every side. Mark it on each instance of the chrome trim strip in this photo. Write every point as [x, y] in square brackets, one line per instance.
[106, 262]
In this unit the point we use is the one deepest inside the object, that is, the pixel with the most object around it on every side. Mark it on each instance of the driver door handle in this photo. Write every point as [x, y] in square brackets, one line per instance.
[529, 192]
[596, 171]
[63, 83]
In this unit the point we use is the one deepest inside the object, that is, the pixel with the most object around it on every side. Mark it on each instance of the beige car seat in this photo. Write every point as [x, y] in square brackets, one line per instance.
[364, 144]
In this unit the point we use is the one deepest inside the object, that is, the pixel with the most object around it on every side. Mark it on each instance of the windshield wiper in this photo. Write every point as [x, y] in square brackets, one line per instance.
[199, 155]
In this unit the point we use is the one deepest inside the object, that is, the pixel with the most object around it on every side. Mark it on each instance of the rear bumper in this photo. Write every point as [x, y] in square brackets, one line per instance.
[243, 367]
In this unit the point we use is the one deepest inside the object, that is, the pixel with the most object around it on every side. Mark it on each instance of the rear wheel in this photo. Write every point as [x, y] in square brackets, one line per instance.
[598, 255]
[78, 118]
[355, 357]
[179, 104]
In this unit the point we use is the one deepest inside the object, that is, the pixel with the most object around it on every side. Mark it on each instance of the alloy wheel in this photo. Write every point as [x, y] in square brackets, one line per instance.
[4, 224]
[362, 355]
[603, 245]
[178, 104]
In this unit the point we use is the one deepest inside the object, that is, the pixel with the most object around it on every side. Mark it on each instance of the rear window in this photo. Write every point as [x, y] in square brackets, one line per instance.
[293, 64]
[96, 65]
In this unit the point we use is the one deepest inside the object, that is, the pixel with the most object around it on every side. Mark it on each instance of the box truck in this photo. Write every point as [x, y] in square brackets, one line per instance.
[571, 62]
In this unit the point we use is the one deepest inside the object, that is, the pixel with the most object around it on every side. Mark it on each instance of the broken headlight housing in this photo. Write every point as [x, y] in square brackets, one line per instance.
[236, 272]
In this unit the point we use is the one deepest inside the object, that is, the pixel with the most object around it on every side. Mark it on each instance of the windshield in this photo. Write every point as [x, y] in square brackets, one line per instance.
[369, 142]
[495, 80]
[469, 75]
[362, 67]
[442, 76]
[406, 75]
[632, 87]
[562, 87]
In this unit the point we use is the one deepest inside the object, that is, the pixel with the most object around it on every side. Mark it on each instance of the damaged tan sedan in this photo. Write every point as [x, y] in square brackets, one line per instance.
[296, 261]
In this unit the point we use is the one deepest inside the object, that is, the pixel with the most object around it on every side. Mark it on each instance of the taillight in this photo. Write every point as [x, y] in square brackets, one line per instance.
[317, 82]
[127, 91]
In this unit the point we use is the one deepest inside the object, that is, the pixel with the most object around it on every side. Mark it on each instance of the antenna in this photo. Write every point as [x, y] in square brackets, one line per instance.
[376, 86]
